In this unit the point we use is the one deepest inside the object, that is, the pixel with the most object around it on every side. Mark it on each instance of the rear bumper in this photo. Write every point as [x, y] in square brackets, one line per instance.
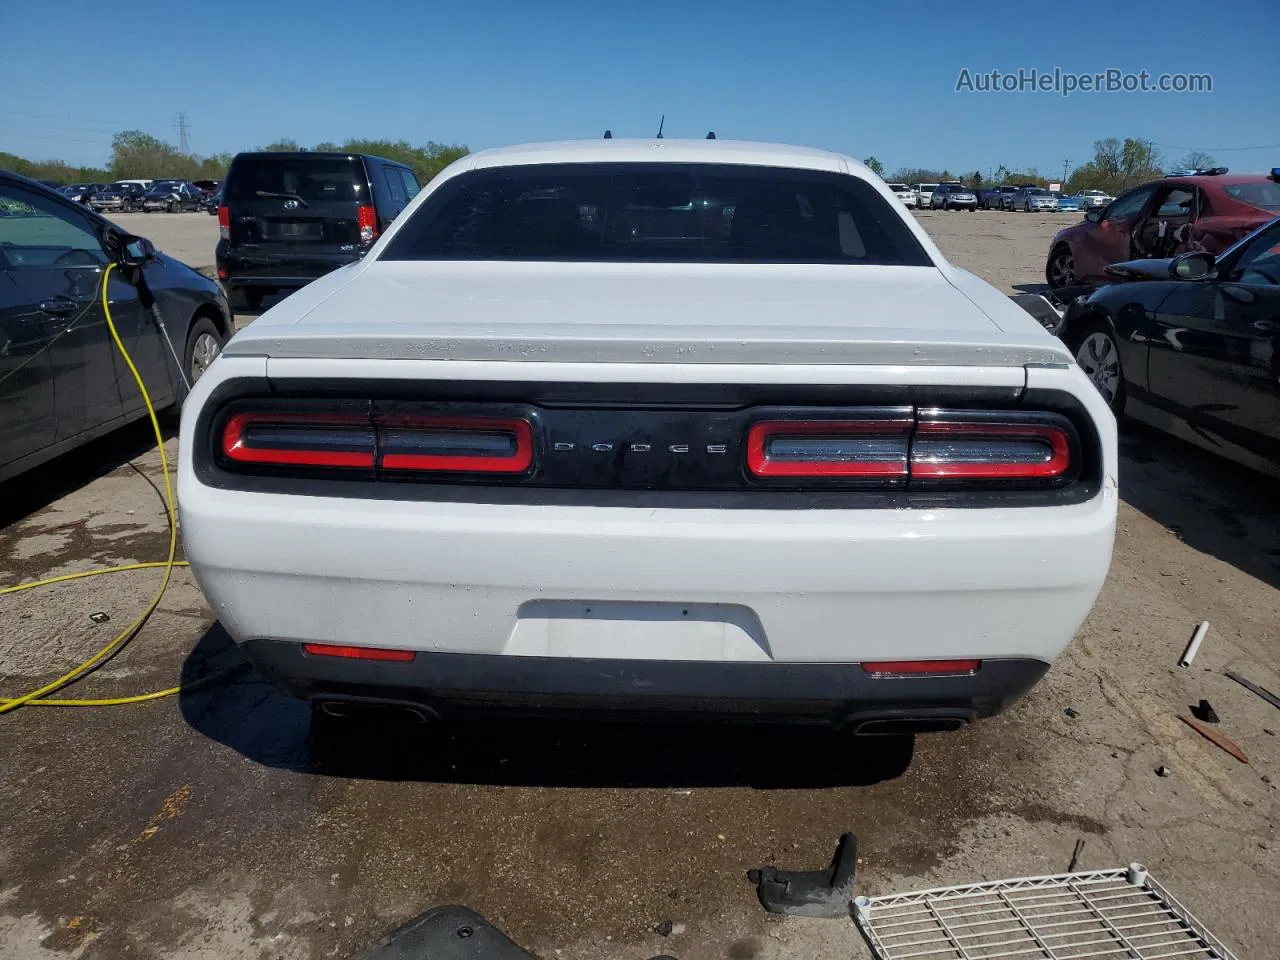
[760, 586]
[838, 693]
[247, 267]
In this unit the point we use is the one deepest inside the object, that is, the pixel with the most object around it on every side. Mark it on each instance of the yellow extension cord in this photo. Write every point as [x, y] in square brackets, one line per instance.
[37, 697]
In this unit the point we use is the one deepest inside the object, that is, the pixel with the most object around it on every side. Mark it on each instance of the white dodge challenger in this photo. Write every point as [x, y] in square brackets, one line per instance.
[666, 425]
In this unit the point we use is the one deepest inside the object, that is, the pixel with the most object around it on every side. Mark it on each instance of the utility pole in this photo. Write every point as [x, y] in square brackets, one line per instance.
[184, 141]
[1065, 165]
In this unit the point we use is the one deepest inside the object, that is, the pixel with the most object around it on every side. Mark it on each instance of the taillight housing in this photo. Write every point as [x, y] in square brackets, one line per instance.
[299, 440]
[360, 441]
[831, 449]
[367, 223]
[955, 446]
[224, 222]
[932, 448]
[455, 444]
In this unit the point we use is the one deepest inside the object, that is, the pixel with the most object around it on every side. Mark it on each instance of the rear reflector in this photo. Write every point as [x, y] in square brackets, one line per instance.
[922, 668]
[455, 444]
[828, 448]
[959, 450]
[358, 653]
[299, 440]
[367, 221]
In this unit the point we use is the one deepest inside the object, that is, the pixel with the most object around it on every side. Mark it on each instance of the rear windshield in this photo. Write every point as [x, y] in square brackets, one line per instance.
[1264, 195]
[657, 212]
[314, 179]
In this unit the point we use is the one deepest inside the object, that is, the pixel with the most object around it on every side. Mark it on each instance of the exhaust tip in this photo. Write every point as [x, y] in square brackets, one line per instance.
[897, 726]
[372, 710]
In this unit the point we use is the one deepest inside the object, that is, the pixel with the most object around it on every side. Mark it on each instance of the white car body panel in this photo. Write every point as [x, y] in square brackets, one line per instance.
[763, 586]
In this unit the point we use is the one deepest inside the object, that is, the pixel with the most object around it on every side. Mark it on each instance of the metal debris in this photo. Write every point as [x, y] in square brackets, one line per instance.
[1253, 688]
[1104, 913]
[99, 617]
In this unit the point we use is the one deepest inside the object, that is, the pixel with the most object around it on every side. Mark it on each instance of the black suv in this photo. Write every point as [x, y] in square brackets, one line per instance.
[288, 218]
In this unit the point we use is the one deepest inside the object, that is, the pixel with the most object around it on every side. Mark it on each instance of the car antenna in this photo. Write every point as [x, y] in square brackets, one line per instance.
[661, 122]
[608, 134]
[711, 135]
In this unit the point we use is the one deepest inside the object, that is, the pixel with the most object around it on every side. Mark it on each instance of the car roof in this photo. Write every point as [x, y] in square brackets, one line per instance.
[1224, 180]
[340, 154]
[674, 150]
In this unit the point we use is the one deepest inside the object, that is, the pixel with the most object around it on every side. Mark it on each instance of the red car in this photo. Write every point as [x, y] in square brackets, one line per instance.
[1163, 218]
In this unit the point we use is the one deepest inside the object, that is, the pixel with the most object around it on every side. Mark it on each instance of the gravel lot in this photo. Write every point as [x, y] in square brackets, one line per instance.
[203, 826]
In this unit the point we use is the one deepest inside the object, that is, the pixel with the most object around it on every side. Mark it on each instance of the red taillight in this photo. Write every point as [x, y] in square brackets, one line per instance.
[933, 448]
[299, 440]
[358, 653]
[455, 444]
[224, 223]
[922, 668]
[828, 448]
[972, 450]
[367, 221]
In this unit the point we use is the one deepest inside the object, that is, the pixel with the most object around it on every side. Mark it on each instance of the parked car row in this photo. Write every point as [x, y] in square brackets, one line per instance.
[127, 196]
[1027, 197]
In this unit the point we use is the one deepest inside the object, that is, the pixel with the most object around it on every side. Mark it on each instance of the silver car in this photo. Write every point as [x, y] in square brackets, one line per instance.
[1093, 199]
[953, 196]
[1030, 199]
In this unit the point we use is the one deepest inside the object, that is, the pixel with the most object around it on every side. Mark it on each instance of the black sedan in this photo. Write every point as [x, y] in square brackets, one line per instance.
[61, 381]
[1191, 345]
[173, 196]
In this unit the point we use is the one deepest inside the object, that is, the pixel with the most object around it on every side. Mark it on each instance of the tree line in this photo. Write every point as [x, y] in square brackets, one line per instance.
[137, 156]
[1116, 164]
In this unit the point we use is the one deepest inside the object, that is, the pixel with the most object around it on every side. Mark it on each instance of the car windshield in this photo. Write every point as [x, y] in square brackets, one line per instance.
[1264, 195]
[673, 213]
[1038, 192]
[163, 186]
[928, 187]
[314, 179]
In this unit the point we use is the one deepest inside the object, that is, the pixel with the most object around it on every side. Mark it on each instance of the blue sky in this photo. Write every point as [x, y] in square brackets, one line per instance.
[878, 81]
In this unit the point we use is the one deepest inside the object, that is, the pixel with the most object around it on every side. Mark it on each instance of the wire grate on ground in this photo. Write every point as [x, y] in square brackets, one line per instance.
[1111, 914]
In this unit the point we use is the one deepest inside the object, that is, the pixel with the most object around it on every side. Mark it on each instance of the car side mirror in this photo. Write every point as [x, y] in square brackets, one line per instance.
[134, 251]
[1192, 266]
[1094, 215]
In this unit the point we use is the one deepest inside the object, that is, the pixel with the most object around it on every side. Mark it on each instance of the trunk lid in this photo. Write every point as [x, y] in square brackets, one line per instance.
[644, 313]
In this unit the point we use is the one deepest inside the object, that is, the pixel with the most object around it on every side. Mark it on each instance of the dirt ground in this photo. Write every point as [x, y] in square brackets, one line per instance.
[206, 826]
